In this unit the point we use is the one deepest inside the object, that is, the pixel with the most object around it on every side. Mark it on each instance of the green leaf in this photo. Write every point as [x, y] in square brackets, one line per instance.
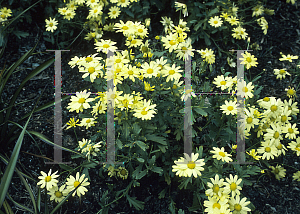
[212, 12]
[199, 110]
[18, 205]
[9, 171]
[119, 144]
[197, 26]
[162, 193]
[185, 182]
[141, 174]
[200, 151]
[66, 167]
[157, 169]
[206, 39]
[43, 138]
[180, 211]
[20, 34]
[157, 139]
[89, 164]
[139, 205]
[28, 190]
[141, 160]
[142, 145]
[129, 13]
[126, 130]
[136, 128]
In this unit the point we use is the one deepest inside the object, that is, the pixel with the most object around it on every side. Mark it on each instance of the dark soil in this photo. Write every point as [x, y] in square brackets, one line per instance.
[268, 195]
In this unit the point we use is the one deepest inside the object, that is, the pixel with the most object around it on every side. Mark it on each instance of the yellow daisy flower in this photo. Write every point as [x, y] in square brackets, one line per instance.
[105, 45]
[239, 206]
[229, 107]
[249, 60]
[268, 150]
[215, 21]
[73, 182]
[220, 154]
[72, 123]
[287, 58]
[281, 73]
[188, 166]
[232, 185]
[146, 112]
[122, 172]
[215, 187]
[278, 171]
[51, 24]
[80, 101]
[58, 194]
[114, 12]
[49, 180]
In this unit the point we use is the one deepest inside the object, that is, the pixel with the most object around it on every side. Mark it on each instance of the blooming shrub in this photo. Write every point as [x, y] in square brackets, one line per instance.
[149, 100]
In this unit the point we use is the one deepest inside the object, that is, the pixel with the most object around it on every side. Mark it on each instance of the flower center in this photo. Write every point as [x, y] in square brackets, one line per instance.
[216, 188]
[50, 24]
[144, 112]
[91, 70]
[233, 186]
[268, 149]
[183, 48]
[217, 205]
[48, 179]
[172, 42]
[99, 108]
[249, 120]
[245, 89]
[282, 71]
[283, 118]
[174, 86]
[123, 1]
[237, 207]
[130, 72]
[88, 59]
[276, 171]
[222, 154]
[223, 82]
[76, 183]
[133, 41]
[88, 121]
[229, 108]
[58, 194]
[81, 100]
[144, 49]
[291, 92]
[125, 28]
[149, 70]
[118, 60]
[215, 22]
[123, 172]
[114, 12]
[140, 30]
[266, 99]
[290, 130]
[248, 59]
[191, 165]
[273, 108]
[106, 46]
[171, 72]
[276, 135]
[279, 146]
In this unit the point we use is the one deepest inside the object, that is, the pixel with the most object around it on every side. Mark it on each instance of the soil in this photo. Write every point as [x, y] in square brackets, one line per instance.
[267, 194]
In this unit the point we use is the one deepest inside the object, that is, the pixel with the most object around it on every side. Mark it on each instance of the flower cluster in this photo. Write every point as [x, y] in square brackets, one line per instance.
[224, 197]
[58, 193]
